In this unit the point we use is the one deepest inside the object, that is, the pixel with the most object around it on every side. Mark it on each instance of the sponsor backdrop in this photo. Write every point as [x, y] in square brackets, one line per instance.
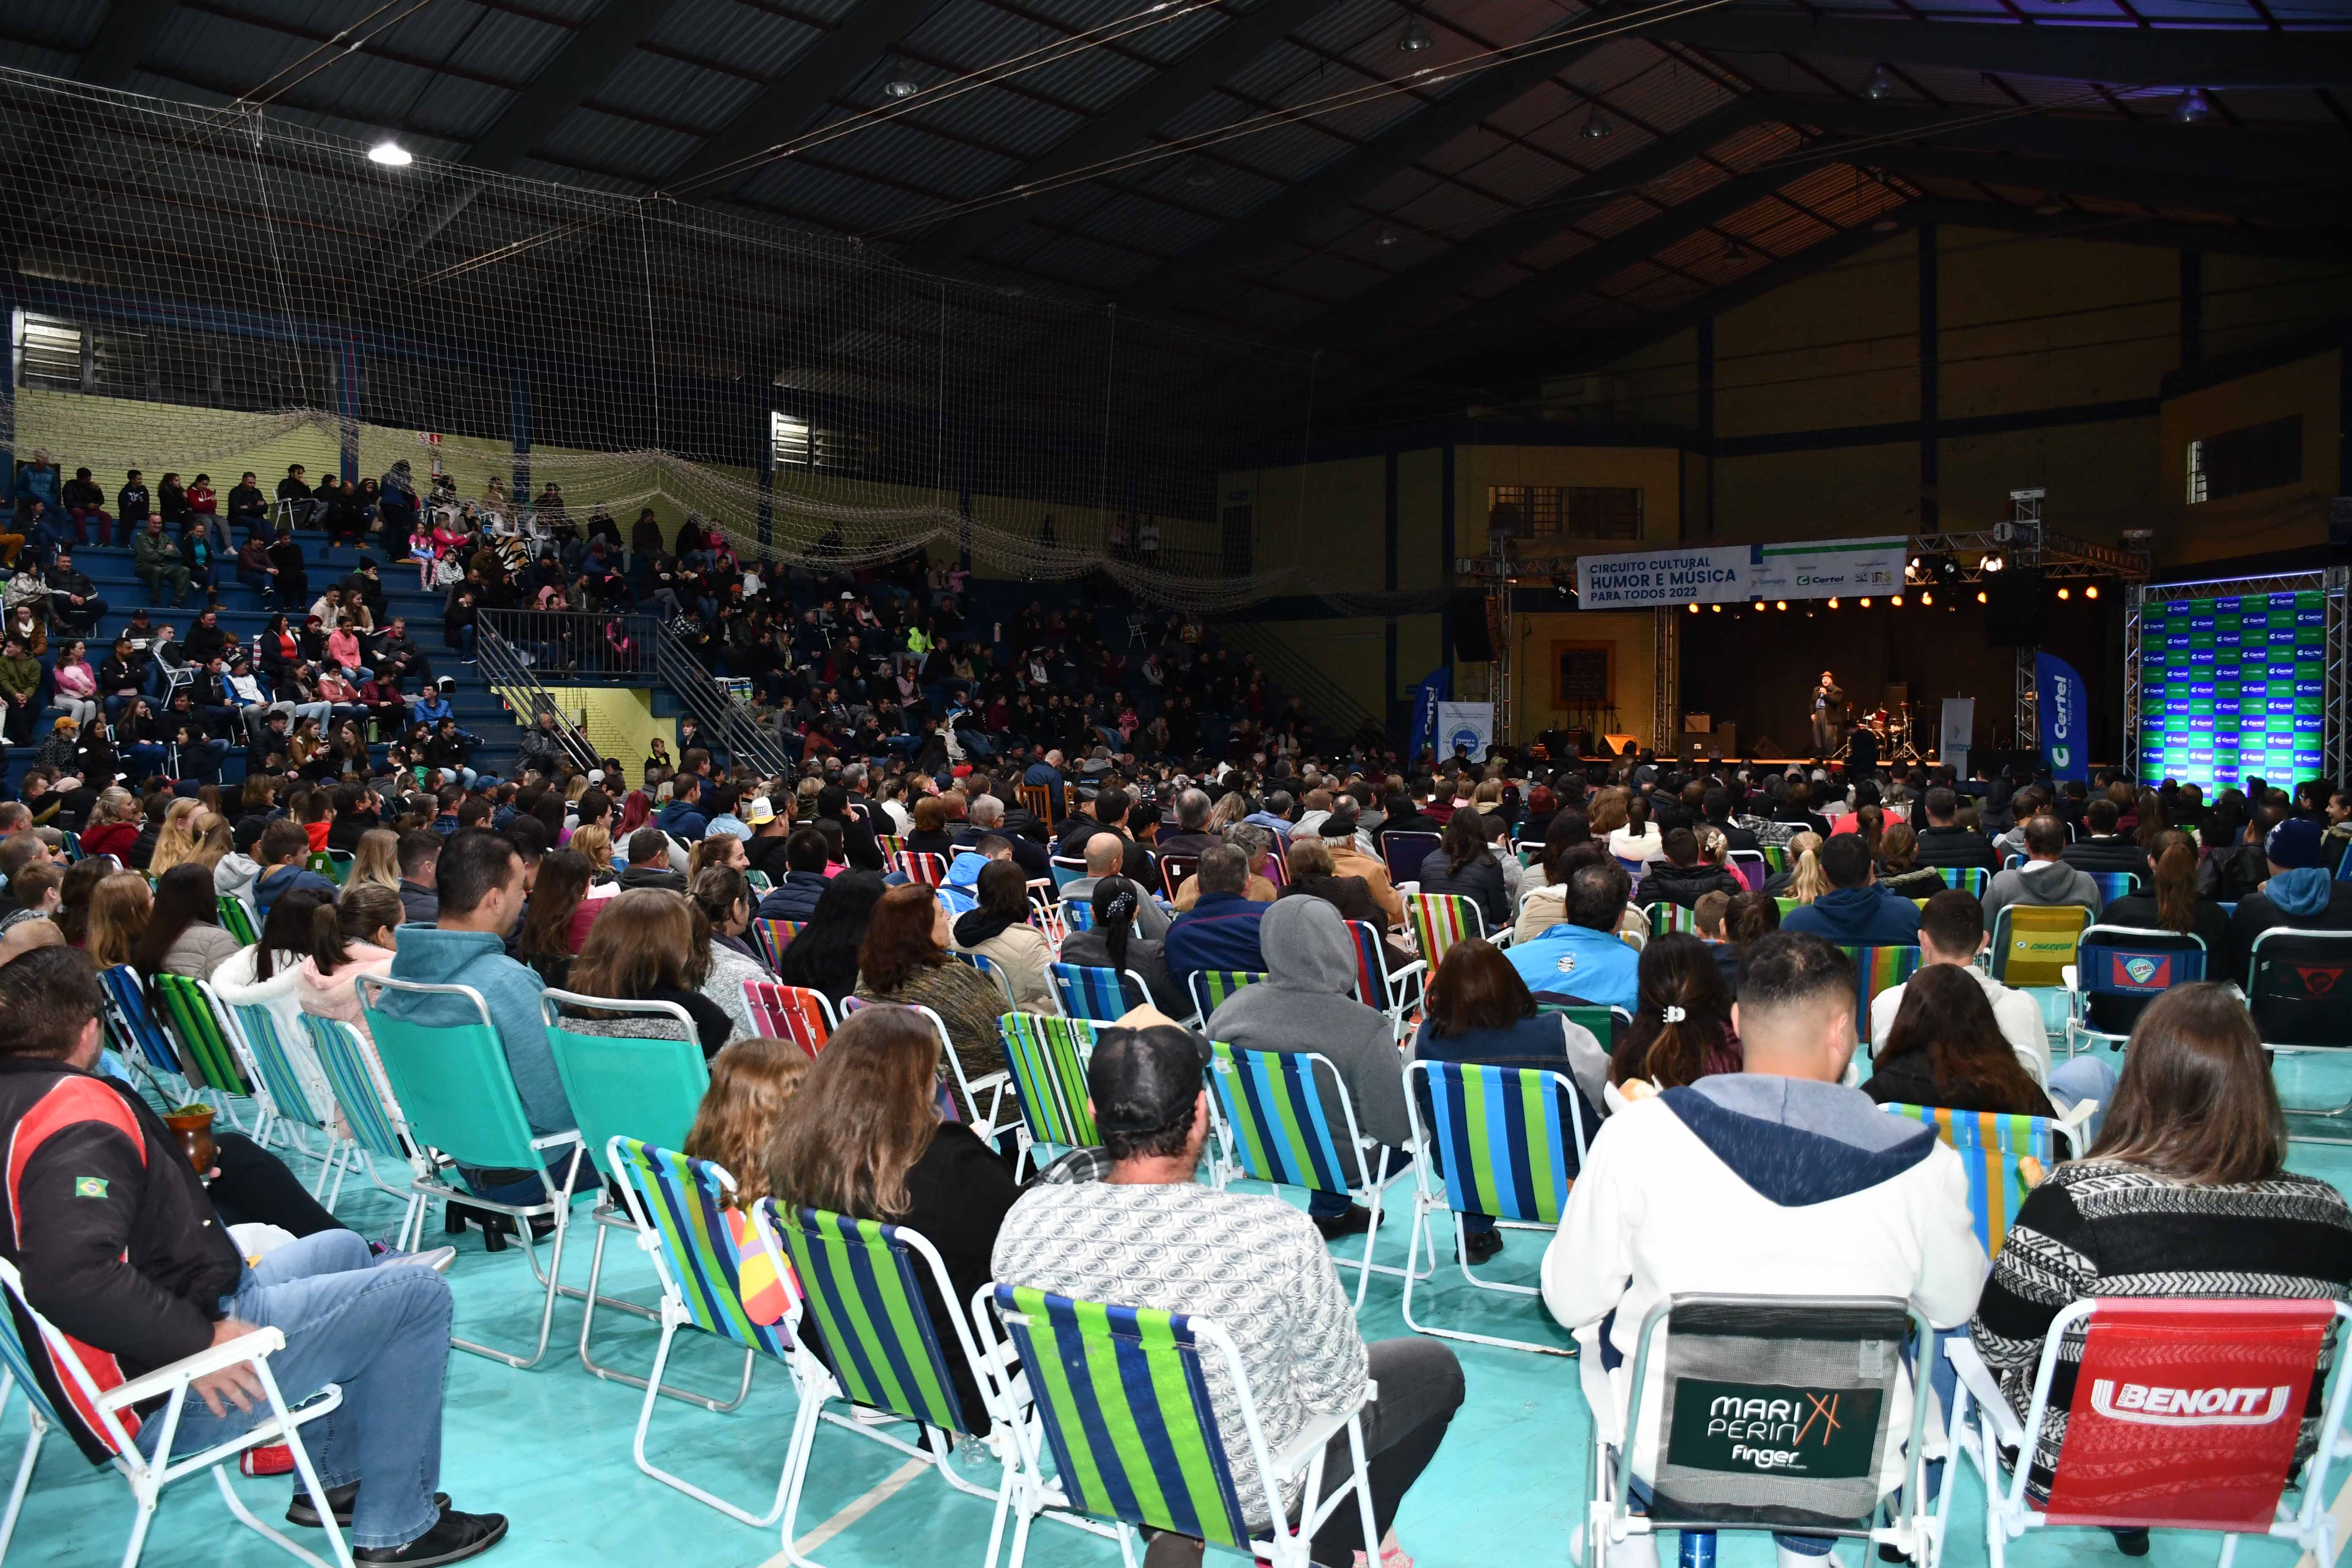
[2058, 705]
[1808, 569]
[2233, 688]
[1956, 733]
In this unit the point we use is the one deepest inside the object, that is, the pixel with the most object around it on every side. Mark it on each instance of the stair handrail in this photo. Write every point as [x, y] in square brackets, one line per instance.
[503, 666]
[694, 685]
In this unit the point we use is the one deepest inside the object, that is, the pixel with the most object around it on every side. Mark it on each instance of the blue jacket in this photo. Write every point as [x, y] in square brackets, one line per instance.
[1039, 774]
[1859, 917]
[279, 880]
[1575, 960]
[1220, 932]
[429, 710]
[437, 957]
[794, 898]
[681, 820]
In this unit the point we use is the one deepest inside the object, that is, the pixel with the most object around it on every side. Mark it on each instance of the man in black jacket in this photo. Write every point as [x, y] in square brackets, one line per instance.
[2105, 849]
[121, 1248]
[1944, 842]
[247, 503]
[74, 604]
[1682, 879]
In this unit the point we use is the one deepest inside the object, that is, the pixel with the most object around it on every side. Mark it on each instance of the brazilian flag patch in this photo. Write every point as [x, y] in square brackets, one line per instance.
[90, 1186]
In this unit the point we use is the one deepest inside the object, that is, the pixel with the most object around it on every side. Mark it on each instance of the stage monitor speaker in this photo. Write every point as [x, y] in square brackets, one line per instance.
[2017, 605]
[1472, 644]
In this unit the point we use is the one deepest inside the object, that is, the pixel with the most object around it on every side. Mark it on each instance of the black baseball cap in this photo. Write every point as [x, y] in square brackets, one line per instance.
[1144, 1081]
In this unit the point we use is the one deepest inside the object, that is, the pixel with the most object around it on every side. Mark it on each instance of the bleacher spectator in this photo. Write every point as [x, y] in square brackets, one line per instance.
[85, 504]
[1581, 954]
[1855, 910]
[2186, 1181]
[905, 960]
[1774, 1180]
[1149, 1235]
[642, 949]
[2300, 891]
[1221, 931]
[74, 604]
[1681, 1030]
[1463, 865]
[2045, 877]
[156, 558]
[1681, 877]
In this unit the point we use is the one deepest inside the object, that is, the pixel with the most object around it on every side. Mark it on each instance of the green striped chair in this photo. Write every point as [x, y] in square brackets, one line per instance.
[1607, 1025]
[335, 865]
[1438, 920]
[189, 1016]
[1212, 988]
[1503, 1142]
[236, 919]
[883, 1351]
[378, 1131]
[1282, 1121]
[1966, 879]
[1665, 915]
[717, 1275]
[1991, 1147]
[1776, 857]
[1122, 1398]
[1048, 1056]
[1877, 969]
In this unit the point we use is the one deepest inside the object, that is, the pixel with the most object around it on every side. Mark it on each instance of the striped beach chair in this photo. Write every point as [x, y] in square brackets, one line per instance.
[989, 967]
[1438, 920]
[1285, 1118]
[1210, 988]
[191, 1017]
[1776, 858]
[1097, 995]
[1504, 1142]
[774, 936]
[1123, 1400]
[137, 1037]
[918, 865]
[1078, 916]
[717, 1275]
[2114, 885]
[791, 1013]
[1395, 992]
[1048, 1056]
[889, 842]
[1877, 969]
[1991, 1148]
[1966, 879]
[287, 1102]
[372, 1119]
[1668, 916]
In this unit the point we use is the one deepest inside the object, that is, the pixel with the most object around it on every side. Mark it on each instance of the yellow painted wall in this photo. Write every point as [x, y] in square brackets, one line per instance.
[1634, 663]
[1835, 349]
[2267, 520]
[619, 722]
[1300, 513]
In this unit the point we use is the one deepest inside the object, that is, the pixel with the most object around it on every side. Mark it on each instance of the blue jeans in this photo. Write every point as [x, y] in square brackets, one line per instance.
[2082, 1078]
[466, 642]
[384, 1335]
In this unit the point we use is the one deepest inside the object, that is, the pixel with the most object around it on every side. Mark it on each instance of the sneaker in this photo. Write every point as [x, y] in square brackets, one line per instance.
[1480, 1246]
[305, 1512]
[1393, 1557]
[266, 1460]
[1355, 1222]
[2131, 1542]
[454, 1538]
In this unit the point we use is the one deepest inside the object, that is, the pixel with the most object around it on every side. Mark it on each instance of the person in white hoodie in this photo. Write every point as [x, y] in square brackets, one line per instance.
[1776, 1180]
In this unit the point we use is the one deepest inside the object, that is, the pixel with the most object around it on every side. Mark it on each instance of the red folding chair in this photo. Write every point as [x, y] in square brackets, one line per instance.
[791, 1013]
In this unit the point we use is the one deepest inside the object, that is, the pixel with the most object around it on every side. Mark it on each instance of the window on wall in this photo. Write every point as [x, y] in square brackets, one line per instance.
[2258, 457]
[796, 443]
[1570, 511]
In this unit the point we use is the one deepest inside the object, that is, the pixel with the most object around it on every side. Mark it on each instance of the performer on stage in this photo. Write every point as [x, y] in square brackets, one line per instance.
[1828, 715]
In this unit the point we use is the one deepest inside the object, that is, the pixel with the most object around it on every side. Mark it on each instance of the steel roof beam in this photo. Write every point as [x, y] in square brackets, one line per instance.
[2288, 205]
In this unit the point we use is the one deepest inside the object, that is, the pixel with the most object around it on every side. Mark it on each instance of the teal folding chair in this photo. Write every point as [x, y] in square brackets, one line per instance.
[448, 1070]
[1503, 1142]
[1212, 988]
[717, 1275]
[1122, 1402]
[335, 865]
[645, 1087]
[1048, 1056]
[377, 1129]
[287, 1101]
[1096, 995]
[884, 1352]
[1285, 1118]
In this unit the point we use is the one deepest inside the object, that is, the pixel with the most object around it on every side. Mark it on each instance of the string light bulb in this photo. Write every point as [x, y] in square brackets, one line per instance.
[1981, 598]
[2065, 593]
[1759, 606]
[1897, 601]
[1717, 608]
[1694, 606]
[1927, 598]
[1780, 604]
[1865, 604]
[2090, 591]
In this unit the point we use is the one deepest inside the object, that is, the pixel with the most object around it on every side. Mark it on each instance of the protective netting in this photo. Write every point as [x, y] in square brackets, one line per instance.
[221, 289]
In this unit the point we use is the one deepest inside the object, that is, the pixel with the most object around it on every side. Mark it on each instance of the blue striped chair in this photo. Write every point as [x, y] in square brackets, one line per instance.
[1504, 1142]
[1212, 988]
[138, 1038]
[988, 966]
[2114, 885]
[286, 1102]
[1048, 1056]
[1285, 1118]
[1991, 1148]
[377, 1129]
[1096, 995]
[718, 1275]
[883, 1349]
[1966, 879]
[1123, 1401]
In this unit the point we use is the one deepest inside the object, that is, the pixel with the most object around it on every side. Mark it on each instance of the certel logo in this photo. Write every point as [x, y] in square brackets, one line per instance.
[2157, 1406]
[1772, 1433]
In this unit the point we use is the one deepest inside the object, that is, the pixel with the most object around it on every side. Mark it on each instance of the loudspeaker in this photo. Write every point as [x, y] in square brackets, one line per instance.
[2017, 605]
[1472, 644]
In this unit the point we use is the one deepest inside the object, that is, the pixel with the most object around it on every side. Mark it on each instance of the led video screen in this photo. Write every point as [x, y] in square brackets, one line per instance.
[2233, 688]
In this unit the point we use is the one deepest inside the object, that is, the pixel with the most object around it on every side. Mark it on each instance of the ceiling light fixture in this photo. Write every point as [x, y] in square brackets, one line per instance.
[1199, 178]
[1994, 561]
[1884, 226]
[1385, 239]
[1415, 38]
[1981, 598]
[2090, 591]
[1597, 127]
[390, 154]
[1733, 251]
[1880, 84]
[902, 86]
[2193, 107]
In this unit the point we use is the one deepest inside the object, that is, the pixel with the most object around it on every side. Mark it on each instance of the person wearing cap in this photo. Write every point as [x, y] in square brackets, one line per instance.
[1337, 832]
[764, 845]
[1148, 1235]
[2302, 891]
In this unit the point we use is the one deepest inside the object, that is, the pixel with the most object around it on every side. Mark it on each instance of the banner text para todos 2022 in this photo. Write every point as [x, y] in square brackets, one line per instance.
[1807, 569]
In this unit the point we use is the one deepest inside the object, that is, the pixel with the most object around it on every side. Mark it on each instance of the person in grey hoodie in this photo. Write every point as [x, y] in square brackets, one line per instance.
[479, 878]
[2044, 878]
[1308, 1004]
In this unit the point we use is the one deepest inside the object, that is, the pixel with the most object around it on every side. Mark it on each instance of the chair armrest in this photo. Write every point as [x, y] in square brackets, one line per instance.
[253, 1347]
[1985, 1389]
[1296, 1455]
[1502, 938]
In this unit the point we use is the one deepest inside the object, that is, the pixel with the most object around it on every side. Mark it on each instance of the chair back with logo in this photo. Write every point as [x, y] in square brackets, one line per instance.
[1120, 1393]
[1966, 879]
[188, 1014]
[2033, 943]
[707, 1251]
[1877, 969]
[1048, 1056]
[1991, 1148]
[1078, 916]
[1438, 920]
[857, 1279]
[1667, 915]
[2119, 970]
[1279, 1118]
[1404, 852]
[919, 865]
[138, 1036]
[1777, 1410]
[236, 919]
[645, 1087]
[791, 1013]
[2299, 987]
[1212, 988]
[1175, 870]
[1505, 1141]
[774, 936]
[449, 1075]
[1096, 994]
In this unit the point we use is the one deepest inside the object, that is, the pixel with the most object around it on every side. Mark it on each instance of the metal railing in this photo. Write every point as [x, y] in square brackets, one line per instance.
[1338, 714]
[719, 715]
[582, 647]
[503, 667]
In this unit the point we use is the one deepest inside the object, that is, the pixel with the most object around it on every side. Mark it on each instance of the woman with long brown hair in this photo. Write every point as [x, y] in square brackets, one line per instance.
[639, 951]
[1897, 853]
[863, 1138]
[1682, 1018]
[2173, 903]
[904, 959]
[119, 907]
[547, 939]
[2191, 1183]
[1946, 1050]
[752, 1083]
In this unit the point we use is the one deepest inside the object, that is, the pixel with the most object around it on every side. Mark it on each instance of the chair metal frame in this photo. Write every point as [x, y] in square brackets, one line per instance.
[1400, 989]
[1433, 1193]
[991, 968]
[147, 1477]
[2253, 964]
[2078, 1000]
[348, 1055]
[280, 1092]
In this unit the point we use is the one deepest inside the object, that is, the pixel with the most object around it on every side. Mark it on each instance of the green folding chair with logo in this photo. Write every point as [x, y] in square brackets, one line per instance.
[1048, 1056]
[378, 1131]
[640, 1085]
[185, 1008]
[335, 865]
[448, 1070]
[1122, 1403]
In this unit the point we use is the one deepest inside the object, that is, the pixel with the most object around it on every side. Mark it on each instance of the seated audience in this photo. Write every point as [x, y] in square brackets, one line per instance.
[2234, 863]
[1855, 911]
[183, 935]
[1944, 842]
[1111, 942]
[2105, 849]
[1899, 871]
[420, 852]
[997, 929]
[1681, 877]
[2300, 891]
[1582, 956]
[752, 1083]
[823, 956]
[1637, 837]
[1221, 931]
[2045, 878]
[354, 936]
[862, 1138]
[795, 896]
[119, 907]
[1253, 843]
[1682, 1029]
[1151, 1235]
[1774, 1180]
[284, 848]
[1946, 1048]
[1461, 865]
[2169, 900]
[1105, 855]
[905, 960]
[638, 950]
[649, 864]
[723, 906]
[1803, 881]
[545, 938]
[1349, 859]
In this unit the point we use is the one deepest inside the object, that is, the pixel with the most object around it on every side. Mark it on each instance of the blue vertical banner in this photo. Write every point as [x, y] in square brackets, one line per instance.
[2058, 701]
[1435, 686]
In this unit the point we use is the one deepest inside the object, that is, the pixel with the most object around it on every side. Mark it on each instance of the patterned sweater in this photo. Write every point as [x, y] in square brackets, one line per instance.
[1255, 1266]
[2104, 1228]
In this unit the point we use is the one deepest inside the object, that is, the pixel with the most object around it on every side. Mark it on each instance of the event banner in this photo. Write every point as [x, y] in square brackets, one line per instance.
[1434, 688]
[1465, 727]
[1804, 569]
[2058, 701]
[2233, 688]
[1957, 734]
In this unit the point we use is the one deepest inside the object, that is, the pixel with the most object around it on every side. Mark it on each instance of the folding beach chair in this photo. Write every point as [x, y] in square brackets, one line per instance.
[1048, 1056]
[1877, 969]
[1993, 1150]
[1096, 995]
[2118, 970]
[1396, 992]
[335, 865]
[989, 967]
[774, 936]
[288, 1103]
[791, 1013]
[2033, 943]
[237, 919]
[1751, 866]
[1503, 1142]
[1438, 920]
[137, 1037]
[377, 1129]
[2299, 990]
[1175, 870]
[2114, 885]
[187, 1012]
[918, 866]
[1966, 879]
[1666, 916]
[1210, 988]
[1404, 852]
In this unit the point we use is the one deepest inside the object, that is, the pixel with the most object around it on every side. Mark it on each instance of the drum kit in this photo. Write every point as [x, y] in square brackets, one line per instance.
[1892, 727]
